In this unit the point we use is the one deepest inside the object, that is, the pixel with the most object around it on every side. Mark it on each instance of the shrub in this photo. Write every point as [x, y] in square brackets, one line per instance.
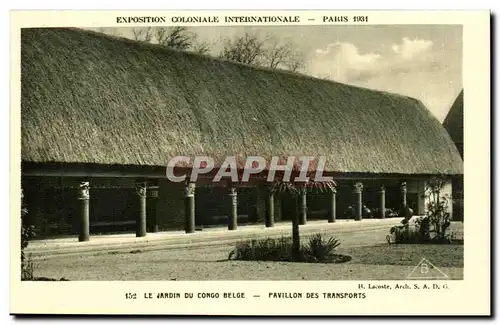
[433, 227]
[423, 226]
[389, 213]
[268, 249]
[367, 213]
[27, 232]
[318, 249]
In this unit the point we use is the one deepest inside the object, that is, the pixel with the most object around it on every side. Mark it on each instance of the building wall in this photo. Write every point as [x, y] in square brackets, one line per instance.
[114, 204]
[212, 206]
[51, 209]
[54, 208]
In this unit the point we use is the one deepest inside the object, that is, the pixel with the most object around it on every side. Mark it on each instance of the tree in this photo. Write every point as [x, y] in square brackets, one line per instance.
[247, 49]
[201, 48]
[296, 190]
[178, 37]
[268, 52]
[282, 55]
[438, 207]
[143, 34]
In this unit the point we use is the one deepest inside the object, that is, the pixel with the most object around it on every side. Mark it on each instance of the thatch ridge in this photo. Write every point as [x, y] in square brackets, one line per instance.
[161, 48]
[454, 121]
[98, 99]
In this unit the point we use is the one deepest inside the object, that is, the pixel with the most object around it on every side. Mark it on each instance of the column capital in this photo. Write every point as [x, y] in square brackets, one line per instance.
[358, 187]
[381, 189]
[189, 190]
[403, 186]
[233, 191]
[83, 191]
[334, 190]
[141, 189]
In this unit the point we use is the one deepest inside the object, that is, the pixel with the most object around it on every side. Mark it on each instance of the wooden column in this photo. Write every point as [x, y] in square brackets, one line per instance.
[303, 207]
[358, 190]
[403, 194]
[84, 198]
[270, 209]
[232, 220]
[382, 201]
[190, 207]
[140, 230]
[332, 215]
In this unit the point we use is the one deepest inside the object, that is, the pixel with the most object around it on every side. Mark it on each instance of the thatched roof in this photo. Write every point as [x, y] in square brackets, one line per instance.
[454, 121]
[92, 98]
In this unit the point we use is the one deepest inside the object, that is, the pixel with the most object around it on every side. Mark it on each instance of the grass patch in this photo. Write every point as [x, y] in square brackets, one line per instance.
[450, 255]
[317, 250]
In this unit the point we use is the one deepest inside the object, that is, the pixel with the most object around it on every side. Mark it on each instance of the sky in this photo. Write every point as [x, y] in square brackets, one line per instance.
[420, 61]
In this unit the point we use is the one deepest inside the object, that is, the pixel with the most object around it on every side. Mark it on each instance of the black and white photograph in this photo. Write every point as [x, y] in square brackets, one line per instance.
[105, 110]
[184, 149]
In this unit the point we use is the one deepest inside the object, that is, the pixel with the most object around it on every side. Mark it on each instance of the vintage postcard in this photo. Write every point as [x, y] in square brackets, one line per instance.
[250, 162]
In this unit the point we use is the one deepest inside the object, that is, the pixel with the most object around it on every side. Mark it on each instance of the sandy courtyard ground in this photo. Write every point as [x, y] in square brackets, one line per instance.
[373, 259]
